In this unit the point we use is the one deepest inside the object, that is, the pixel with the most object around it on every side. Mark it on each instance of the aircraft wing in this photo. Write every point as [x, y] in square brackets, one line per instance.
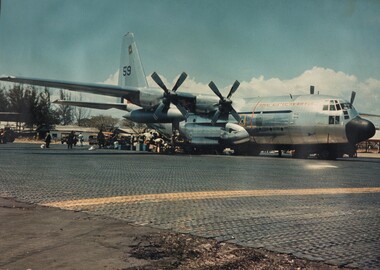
[369, 114]
[100, 106]
[92, 105]
[131, 93]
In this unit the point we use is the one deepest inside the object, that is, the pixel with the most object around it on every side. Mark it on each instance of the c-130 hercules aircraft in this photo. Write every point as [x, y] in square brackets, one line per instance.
[307, 124]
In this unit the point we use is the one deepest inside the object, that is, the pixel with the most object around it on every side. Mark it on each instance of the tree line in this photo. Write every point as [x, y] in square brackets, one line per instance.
[36, 109]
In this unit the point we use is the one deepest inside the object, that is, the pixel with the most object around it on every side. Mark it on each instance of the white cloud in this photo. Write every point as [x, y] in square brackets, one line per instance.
[326, 81]
[112, 78]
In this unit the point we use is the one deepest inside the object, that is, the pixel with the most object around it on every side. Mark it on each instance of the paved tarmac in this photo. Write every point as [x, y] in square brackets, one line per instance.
[318, 210]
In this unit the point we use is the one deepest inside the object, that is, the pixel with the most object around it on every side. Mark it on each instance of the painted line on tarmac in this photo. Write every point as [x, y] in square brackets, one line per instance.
[202, 195]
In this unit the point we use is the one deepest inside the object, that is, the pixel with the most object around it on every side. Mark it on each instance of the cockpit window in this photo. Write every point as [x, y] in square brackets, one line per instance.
[345, 113]
[346, 106]
[332, 105]
[335, 105]
[334, 120]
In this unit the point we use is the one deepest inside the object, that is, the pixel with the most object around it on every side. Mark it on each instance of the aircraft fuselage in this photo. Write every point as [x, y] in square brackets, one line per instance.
[325, 125]
[309, 119]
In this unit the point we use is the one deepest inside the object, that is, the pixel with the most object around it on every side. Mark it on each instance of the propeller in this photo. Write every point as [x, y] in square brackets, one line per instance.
[225, 103]
[353, 94]
[170, 96]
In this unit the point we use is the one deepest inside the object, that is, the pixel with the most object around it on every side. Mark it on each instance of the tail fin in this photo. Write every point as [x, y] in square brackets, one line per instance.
[131, 71]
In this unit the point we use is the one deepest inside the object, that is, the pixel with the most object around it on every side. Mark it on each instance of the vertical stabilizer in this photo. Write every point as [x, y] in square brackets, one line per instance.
[131, 71]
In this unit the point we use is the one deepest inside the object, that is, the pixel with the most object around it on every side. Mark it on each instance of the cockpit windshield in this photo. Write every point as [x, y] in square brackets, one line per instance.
[339, 105]
[335, 105]
[346, 106]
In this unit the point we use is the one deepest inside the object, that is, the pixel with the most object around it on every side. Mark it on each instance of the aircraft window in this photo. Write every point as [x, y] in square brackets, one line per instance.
[346, 116]
[332, 105]
[325, 107]
[346, 106]
[334, 120]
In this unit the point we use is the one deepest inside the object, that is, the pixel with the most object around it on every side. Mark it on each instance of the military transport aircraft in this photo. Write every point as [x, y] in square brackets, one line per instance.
[324, 125]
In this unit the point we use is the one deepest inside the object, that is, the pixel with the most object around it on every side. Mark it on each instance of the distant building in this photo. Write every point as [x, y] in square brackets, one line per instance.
[61, 131]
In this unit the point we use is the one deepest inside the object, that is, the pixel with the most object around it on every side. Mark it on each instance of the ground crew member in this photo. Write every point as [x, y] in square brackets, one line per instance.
[47, 139]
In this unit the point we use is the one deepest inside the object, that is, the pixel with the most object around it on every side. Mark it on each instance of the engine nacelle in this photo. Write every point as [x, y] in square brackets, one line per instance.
[150, 97]
[234, 134]
[143, 116]
[202, 132]
[206, 104]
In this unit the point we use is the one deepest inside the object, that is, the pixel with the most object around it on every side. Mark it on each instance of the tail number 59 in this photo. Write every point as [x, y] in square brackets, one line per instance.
[127, 70]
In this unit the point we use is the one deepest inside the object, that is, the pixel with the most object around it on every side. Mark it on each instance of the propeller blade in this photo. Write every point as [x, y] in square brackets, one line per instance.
[159, 110]
[353, 94]
[160, 83]
[215, 90]
[233, 89]
[215, 117]
[235, 115]
[180, 80]
[183, 110]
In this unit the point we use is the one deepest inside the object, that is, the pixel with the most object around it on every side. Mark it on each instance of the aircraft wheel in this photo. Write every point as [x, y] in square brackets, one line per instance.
[192, 150]
[255, 151]
[300, 154]
[326, 154]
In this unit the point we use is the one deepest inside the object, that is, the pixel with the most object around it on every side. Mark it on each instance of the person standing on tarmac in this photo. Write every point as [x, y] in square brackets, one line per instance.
[70, 140]
[80, 137]
[2, 137]
[47, 139]
[101, 139]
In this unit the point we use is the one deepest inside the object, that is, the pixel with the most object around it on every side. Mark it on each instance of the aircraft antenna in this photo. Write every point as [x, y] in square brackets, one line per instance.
[311, 89]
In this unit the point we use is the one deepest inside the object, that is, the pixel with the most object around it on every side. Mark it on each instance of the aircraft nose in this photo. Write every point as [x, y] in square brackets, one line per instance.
[359, 129]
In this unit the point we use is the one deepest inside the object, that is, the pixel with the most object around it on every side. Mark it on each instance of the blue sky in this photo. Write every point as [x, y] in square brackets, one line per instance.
[332, 44]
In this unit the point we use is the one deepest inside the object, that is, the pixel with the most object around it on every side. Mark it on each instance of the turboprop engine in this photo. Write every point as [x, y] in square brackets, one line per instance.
[203, 133]
[234, 134]
[144, 116]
